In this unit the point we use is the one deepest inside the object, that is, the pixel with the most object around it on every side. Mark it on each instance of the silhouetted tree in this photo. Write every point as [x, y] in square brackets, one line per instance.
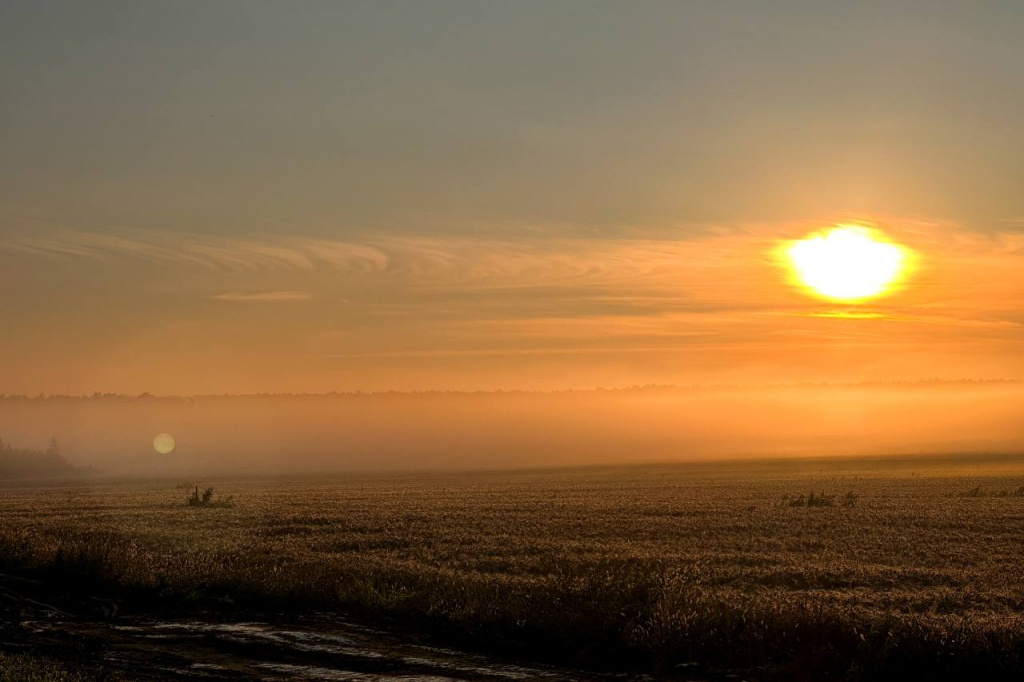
[28, 463]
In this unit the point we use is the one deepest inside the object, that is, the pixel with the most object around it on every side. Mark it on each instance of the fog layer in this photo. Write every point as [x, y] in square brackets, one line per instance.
[284, 434]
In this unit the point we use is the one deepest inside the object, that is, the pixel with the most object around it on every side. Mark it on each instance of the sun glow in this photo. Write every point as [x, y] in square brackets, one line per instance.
[164, 444]
[848, 263]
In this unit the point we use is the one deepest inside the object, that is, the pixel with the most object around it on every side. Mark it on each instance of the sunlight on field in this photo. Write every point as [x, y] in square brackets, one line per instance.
[729, 562]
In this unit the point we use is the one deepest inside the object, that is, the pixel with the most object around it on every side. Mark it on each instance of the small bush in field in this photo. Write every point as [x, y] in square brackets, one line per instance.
[815, 500]
[207, 499]
[977, 491]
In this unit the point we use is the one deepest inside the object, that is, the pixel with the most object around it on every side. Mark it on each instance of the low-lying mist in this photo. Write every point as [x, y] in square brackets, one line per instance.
[297, 434]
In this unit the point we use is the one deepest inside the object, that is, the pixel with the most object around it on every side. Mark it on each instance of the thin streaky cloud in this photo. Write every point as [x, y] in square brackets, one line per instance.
[262, 297]
[724, 267]
[439, 261]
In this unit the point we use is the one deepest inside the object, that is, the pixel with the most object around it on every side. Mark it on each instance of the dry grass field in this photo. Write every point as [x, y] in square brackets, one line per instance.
[904, 569]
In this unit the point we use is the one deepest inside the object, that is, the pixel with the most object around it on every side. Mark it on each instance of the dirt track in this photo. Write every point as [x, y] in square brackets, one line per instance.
[94, 633]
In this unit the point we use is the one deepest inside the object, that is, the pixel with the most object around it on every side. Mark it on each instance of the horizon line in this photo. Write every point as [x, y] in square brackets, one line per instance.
[503, 391]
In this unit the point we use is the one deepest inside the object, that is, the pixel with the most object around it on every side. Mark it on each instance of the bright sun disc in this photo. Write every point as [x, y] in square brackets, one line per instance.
[164, 444]
[848, 263]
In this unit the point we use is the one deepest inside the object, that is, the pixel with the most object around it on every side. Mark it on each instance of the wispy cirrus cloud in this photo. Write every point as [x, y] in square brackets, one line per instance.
[441, 261]
[729, 268]
[262, 297]
[191, 250]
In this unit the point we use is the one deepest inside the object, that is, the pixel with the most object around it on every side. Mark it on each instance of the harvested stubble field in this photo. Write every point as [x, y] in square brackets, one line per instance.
[686, 570]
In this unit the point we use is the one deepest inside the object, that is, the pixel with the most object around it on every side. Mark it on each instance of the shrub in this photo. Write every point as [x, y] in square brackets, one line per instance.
[207, 499]
[816, 500]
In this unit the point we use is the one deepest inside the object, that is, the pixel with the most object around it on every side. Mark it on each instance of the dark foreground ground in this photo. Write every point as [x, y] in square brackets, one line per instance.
[57, 632]
[840, 570]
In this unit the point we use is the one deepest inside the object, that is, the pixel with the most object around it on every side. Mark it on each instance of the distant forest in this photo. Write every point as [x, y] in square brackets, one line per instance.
[28, 463]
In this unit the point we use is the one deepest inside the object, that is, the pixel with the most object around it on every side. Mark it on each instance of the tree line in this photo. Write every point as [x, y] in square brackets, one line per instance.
[32, 463]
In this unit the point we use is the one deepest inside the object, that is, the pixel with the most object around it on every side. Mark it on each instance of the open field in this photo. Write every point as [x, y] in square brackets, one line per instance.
[909, 568]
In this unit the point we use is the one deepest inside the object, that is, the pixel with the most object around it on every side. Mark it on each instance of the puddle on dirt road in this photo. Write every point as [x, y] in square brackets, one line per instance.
[36, 617]
[317, 648]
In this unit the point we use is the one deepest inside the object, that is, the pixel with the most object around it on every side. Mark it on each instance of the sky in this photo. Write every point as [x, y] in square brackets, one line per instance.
[240, 197]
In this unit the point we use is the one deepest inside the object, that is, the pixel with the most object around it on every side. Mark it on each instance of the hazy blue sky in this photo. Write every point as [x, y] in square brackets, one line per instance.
[161, 162]
[339, 116]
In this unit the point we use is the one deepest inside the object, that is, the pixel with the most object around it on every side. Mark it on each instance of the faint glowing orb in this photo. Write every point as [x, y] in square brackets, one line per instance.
[164, 444]
[848, 263]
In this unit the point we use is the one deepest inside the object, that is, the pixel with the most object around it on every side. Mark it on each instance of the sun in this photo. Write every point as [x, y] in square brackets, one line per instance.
[164, 444]
[848, 263]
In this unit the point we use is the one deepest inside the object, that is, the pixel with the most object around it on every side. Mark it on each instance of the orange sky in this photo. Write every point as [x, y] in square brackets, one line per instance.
[181, 314]
[234, 197]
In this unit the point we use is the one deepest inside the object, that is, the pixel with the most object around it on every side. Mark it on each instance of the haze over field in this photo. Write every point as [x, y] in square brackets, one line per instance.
[296, 434]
